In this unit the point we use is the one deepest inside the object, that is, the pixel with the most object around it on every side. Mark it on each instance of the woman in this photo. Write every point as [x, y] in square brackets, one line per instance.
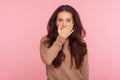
[63, 50]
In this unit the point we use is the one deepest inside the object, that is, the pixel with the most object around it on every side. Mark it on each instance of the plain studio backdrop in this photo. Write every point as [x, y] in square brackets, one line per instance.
[23, 23]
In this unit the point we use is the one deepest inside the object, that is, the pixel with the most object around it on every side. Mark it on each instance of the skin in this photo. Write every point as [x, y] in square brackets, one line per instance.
[64, 23]
[64, 19]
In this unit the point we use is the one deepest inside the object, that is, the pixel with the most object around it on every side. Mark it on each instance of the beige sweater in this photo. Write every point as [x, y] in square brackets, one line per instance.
[64, 72]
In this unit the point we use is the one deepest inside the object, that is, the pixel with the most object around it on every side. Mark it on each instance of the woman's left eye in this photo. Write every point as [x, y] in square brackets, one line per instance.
[68, 20]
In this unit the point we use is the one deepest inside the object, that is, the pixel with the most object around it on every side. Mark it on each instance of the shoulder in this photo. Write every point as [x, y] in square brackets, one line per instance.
[44, 41]
[44, 38]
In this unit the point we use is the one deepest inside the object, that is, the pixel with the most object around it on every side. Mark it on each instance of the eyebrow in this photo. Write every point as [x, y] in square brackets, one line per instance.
[62, 18]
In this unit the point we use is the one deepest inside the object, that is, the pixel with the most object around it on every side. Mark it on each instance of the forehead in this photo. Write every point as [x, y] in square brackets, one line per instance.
[64, 14]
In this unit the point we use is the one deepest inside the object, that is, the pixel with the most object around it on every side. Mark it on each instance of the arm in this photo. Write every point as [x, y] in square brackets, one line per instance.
[85, 68]
[49, 54]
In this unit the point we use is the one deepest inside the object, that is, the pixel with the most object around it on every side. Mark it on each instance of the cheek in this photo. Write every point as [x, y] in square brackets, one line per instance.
[71, 23]
[58, 24]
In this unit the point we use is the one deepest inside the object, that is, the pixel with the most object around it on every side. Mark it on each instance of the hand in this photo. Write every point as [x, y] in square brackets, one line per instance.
[65, 32]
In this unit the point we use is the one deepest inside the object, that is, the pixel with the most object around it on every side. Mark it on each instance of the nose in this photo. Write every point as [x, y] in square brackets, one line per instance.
[64, 24]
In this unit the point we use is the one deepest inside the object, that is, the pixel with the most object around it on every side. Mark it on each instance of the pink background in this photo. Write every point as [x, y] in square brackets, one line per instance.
[23, 23]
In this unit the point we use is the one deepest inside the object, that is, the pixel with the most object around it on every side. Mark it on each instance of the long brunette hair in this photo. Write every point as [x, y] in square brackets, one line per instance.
[78, 47]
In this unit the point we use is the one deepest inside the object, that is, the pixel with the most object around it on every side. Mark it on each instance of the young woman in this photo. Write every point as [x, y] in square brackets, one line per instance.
[63, 50]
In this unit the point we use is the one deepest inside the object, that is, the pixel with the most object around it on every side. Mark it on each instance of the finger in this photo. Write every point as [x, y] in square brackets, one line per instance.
[68, 34]
[67, 27]
[59, 30]
[68, 30]
[71, 32]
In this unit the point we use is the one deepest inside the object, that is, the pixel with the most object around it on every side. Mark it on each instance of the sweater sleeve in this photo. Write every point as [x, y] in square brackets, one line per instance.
[49, 54]
[85, 68]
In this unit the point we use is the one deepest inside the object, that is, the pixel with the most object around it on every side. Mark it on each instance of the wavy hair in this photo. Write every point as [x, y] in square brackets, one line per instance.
[78, 47]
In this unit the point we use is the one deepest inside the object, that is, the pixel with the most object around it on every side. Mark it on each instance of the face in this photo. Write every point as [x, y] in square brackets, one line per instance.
[64, 19]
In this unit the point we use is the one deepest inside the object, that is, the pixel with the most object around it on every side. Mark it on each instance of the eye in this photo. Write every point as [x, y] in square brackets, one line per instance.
[59, 20]
[68, 20]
